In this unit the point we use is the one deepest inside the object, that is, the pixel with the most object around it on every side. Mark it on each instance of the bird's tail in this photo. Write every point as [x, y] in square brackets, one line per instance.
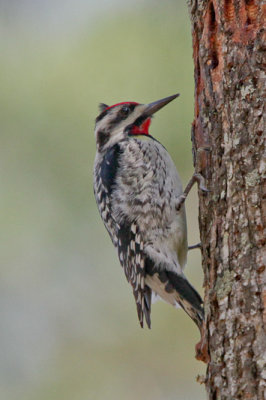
[187, 297]
[175, 289]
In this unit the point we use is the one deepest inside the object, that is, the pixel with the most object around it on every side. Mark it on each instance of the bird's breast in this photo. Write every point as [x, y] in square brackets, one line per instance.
[147, 186]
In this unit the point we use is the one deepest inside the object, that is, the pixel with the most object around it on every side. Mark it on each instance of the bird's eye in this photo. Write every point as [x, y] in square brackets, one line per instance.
[125, 111]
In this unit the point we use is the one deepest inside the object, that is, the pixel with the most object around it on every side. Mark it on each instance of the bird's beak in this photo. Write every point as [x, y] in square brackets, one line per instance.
[152, 108]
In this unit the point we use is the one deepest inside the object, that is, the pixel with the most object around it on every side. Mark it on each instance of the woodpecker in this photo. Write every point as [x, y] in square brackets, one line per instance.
[140, 199]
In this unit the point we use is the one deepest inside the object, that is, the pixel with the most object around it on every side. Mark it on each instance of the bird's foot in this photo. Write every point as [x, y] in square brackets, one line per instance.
[196, 177]
[195, 246]
[201, 182]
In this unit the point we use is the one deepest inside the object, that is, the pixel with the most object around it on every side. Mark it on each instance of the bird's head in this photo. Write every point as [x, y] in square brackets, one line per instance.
[115, 123]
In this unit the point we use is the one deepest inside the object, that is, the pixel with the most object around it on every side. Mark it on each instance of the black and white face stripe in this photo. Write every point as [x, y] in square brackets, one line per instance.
[111, 124]
[123, 110]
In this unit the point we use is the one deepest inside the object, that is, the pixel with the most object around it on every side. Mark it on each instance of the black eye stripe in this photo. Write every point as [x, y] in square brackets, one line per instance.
[125, 109]
[118, 118]
[132, 107]
[124, 112]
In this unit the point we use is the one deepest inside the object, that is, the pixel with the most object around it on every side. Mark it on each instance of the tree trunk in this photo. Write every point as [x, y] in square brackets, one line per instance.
[227, 137]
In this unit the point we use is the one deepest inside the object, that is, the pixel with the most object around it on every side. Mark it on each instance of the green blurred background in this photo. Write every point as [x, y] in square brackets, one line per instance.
[69, 328]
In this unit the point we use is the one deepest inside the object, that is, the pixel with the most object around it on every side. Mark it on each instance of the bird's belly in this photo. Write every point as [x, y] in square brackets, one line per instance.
[168, 243]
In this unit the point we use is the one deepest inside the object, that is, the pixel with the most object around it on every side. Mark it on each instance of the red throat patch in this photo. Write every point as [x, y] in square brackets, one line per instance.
[143, 129]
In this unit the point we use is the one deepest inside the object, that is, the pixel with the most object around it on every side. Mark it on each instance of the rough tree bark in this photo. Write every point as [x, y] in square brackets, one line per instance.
[227, 137]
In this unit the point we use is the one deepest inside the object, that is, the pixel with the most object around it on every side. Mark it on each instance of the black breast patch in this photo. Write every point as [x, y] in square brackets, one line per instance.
[110, 166]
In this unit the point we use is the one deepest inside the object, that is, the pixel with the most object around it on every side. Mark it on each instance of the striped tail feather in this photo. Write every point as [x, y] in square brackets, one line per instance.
[175, 289]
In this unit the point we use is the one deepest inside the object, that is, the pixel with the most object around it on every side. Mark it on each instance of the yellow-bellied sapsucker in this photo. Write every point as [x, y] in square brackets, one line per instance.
[140, 198]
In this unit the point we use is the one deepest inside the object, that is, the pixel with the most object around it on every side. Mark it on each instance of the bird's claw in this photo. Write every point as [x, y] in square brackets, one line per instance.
[195, 246]
[196, 177]
[201, 182]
